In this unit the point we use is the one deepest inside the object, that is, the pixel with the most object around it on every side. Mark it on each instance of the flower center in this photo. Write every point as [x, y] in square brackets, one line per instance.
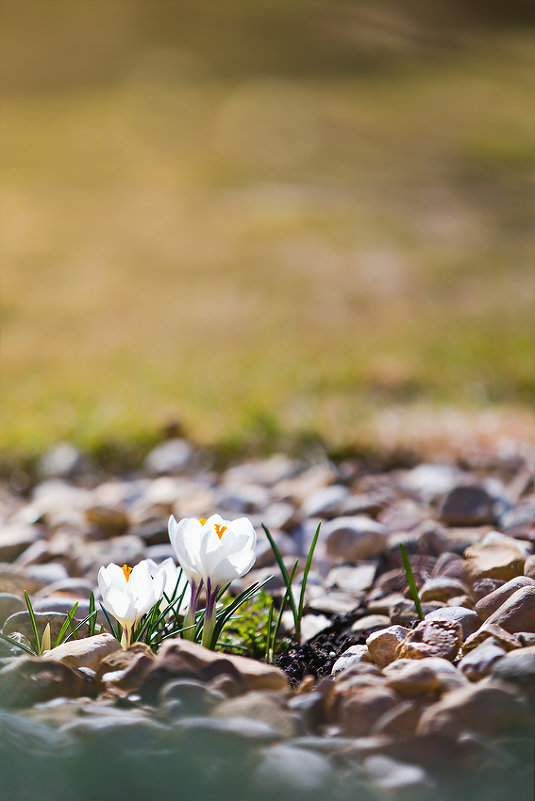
[127, 570]
[202, 521]
[219, 529]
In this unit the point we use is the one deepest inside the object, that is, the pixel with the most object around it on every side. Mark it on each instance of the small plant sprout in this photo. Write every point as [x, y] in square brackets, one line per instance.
[44, 643]
[129, 593]
[212, 552]
[410, 581]
[297, 608]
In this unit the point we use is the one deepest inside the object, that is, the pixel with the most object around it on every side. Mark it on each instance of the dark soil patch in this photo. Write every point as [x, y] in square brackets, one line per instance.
[317, 656]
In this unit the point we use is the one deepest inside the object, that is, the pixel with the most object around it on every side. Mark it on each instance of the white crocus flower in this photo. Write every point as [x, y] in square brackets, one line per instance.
[175, 581]
[212, 552]
[129, 593]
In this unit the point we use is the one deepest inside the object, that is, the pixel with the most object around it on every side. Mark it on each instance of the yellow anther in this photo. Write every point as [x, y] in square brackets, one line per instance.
[219, 529]
[127, 570]
[202, 521]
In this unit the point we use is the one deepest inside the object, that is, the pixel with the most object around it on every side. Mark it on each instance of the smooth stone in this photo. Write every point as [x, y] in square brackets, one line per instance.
[9, 605]
[518, 517]
[31, 680]
[193, 697]
[182, 658]
[86, 652]
[440, 638]
[404, 613]
[350, 578]
[518, 668]
[493, 560]
[467, 505]
[335, 602]
[529, 567]
[357, 708]
[397, 779]
[382, 645]
[355, 538]
[267, 472]
[411, 678]
[485, 586]
[289, 769]
[429, 481]
[467, 618]
[311, 625]
[486, 606]
[266, 707]
[121, 550]
[109, 521]
[508, 642]
[70, 586]
[479, 662]
[123, 666]
[47, 573]
[324, 502]
[400, 721]
[241, 500]
[14, 539]
[485, 708]
[370, 623]
[349, 658]
[449, 565]
[172, 456]
[131, 733]
[517, 613]
[20, 622]
[441, 588]
[222, 734]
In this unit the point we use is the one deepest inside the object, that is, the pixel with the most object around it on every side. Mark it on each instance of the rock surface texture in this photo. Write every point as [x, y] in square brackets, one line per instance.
[373, 703]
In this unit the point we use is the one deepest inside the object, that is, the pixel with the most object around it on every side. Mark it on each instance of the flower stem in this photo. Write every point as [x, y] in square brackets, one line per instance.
[189, 618]
[209, 616]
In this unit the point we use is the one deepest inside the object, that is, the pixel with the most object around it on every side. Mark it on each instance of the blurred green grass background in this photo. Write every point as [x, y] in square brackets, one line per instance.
[267, 217]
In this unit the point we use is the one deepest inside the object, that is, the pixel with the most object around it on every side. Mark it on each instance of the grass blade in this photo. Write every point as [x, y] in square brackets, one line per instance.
[304, 581]
[410, 581]
[92, 617]
[34, 623]
[66, 624]
[114, 631]
[285, 576]
[7, 639]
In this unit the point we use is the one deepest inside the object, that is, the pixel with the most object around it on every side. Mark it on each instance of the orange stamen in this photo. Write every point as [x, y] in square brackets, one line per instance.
[202, 521]
[127, 570]
[219, 529]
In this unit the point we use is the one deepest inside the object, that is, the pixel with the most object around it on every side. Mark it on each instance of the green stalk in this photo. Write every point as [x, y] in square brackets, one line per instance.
[410, 581]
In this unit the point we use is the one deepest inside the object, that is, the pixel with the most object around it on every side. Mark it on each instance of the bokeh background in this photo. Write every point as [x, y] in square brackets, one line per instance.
[267, 219]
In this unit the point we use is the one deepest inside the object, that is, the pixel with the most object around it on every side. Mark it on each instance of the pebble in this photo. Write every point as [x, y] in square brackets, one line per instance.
[352, 578]
[479, 662]
[324, 502]
[397, 779]
[432, 638]
[442, 588]
[293, 770]
[15, 539]
[20, 622]
[356, 709]
[428, 676]
[467, 505]
[350, 657]
[467, 619]
[266, 707]
[488, 709]
[355, 538]
[9, 605]
[31, 680]
[86, 652]
[487, 605]
[494, 560]
[172, 456]
[382, 645]
[369, 623]
[516, 613]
